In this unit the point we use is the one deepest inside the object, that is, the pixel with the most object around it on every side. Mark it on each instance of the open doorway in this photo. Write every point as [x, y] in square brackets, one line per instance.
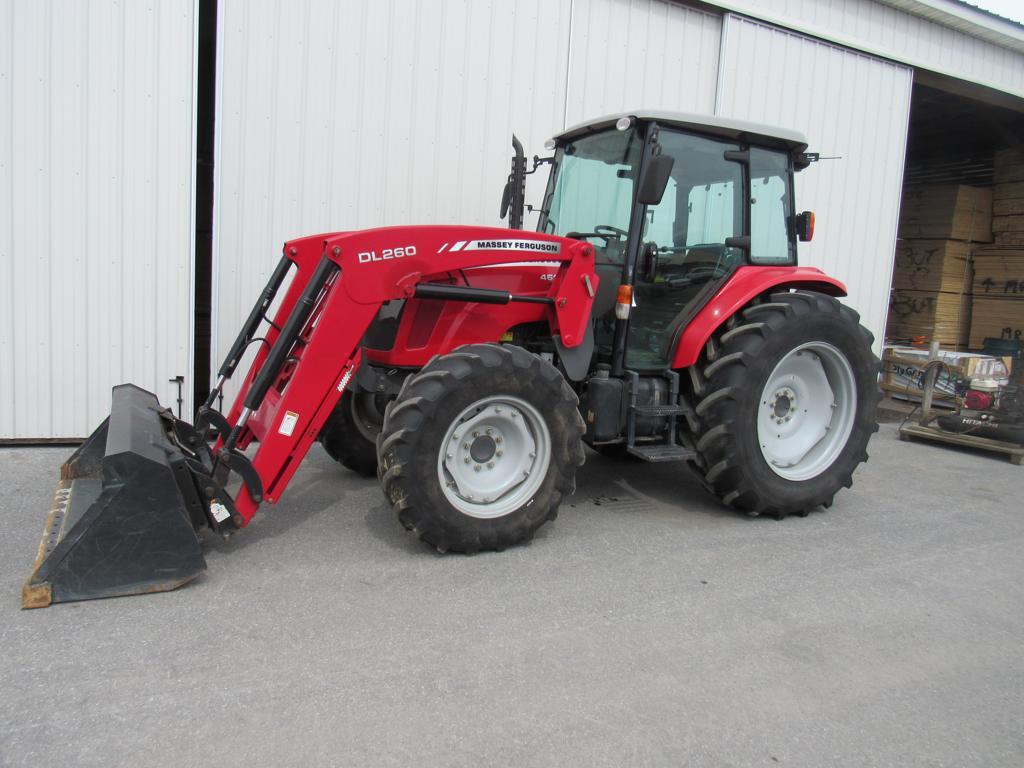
[958, 273]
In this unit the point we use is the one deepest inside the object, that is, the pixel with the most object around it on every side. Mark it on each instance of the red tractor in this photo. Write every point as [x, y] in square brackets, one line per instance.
[657, 314]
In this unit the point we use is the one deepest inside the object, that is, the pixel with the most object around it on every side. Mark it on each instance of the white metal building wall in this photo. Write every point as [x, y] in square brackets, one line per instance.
[96, 185]
[878, 28]
[628, 54]
[849, 105]
[347, 115]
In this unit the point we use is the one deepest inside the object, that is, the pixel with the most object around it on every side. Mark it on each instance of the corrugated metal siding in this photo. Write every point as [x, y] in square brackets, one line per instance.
[347, 115]
[96, 167]
[628, 54]
[848, 105]
[885, 31]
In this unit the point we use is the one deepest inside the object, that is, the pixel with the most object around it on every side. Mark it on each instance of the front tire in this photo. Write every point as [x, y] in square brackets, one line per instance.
[350, 433]
[480, 447]
[788, 394]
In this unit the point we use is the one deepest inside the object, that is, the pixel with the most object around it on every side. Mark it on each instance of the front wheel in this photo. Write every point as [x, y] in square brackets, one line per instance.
[788, 399]
[480, 447]
[350, 433]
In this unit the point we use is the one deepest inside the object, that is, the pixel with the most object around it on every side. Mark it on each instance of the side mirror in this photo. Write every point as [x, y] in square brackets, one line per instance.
[655, 180]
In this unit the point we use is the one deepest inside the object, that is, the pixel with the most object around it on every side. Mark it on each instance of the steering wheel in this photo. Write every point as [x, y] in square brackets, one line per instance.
[606, 231]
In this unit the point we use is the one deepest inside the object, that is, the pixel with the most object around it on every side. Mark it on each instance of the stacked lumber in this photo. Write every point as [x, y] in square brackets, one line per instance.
[930, 316]
[946, 211]
[997, 307]
[930, 299]
[932, 265]
[1008, 198]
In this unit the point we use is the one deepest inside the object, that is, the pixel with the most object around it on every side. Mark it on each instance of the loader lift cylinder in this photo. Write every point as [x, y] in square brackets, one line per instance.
[256, 316]
[248, 331]
[297, 320]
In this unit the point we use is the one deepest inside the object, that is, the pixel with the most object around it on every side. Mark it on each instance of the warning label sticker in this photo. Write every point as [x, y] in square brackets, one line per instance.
[220, 512]
[288, 423]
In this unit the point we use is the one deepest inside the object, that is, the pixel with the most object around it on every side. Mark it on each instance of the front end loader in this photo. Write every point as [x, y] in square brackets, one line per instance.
[133, 498]
[658, 313]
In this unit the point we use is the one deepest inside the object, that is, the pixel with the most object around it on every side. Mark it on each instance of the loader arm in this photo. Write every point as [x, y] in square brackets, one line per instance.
[341, 281]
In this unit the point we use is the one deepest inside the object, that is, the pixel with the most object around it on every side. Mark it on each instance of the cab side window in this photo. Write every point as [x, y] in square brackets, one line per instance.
[770, 207]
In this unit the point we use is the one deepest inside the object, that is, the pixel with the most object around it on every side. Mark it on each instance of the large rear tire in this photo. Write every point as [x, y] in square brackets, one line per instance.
[788, 394]
[479, 448]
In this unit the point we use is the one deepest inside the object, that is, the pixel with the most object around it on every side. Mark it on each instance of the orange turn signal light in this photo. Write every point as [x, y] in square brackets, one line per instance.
[623, 301]
[805, 226]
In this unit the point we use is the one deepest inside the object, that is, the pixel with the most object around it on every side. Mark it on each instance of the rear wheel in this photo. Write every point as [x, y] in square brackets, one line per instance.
[788, 394]
[480, 447]
[350, 433]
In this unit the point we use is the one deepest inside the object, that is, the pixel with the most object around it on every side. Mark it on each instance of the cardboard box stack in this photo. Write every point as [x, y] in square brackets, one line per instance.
[997, 307]
[932, 273]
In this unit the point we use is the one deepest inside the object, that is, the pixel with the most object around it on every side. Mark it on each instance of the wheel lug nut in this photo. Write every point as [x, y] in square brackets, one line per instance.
[490, 431]
[497, 439]
[498, 454]
[465, 446]
[475, 433]
[490, 465]
[466, 459]
[448, 456]
[476, 468]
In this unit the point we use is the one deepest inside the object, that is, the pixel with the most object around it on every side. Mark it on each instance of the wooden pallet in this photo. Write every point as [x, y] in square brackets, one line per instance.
[917, 432]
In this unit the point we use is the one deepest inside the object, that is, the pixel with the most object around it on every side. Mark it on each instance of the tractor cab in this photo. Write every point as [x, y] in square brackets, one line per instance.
[723, 199]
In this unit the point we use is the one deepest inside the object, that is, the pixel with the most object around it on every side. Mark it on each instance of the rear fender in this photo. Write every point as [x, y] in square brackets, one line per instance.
[745, 284]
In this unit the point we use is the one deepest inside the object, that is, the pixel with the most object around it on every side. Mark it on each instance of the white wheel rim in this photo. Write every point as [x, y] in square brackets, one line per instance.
[494, 457]
[806, 411]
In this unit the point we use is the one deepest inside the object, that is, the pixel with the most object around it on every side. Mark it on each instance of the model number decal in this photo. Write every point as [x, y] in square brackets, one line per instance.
[387, 254]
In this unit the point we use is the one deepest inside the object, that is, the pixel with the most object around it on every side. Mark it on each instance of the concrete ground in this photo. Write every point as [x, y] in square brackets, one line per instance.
[647, 626]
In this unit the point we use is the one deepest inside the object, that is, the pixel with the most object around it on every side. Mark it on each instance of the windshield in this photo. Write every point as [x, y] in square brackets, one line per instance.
[590, 191]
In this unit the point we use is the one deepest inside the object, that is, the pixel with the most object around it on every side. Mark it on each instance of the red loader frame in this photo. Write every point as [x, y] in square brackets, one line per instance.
[341, 281]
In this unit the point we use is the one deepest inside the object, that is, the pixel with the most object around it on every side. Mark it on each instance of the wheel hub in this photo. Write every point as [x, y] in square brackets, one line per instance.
[494, 457]
[783, 404]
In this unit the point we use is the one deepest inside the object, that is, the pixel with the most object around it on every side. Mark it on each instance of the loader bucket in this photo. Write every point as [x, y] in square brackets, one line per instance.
[120, 522]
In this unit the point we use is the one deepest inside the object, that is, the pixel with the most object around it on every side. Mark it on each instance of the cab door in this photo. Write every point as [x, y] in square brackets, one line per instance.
[684, 242]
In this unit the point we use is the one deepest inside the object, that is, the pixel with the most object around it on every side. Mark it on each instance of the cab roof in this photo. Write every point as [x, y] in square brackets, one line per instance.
[725, 127]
